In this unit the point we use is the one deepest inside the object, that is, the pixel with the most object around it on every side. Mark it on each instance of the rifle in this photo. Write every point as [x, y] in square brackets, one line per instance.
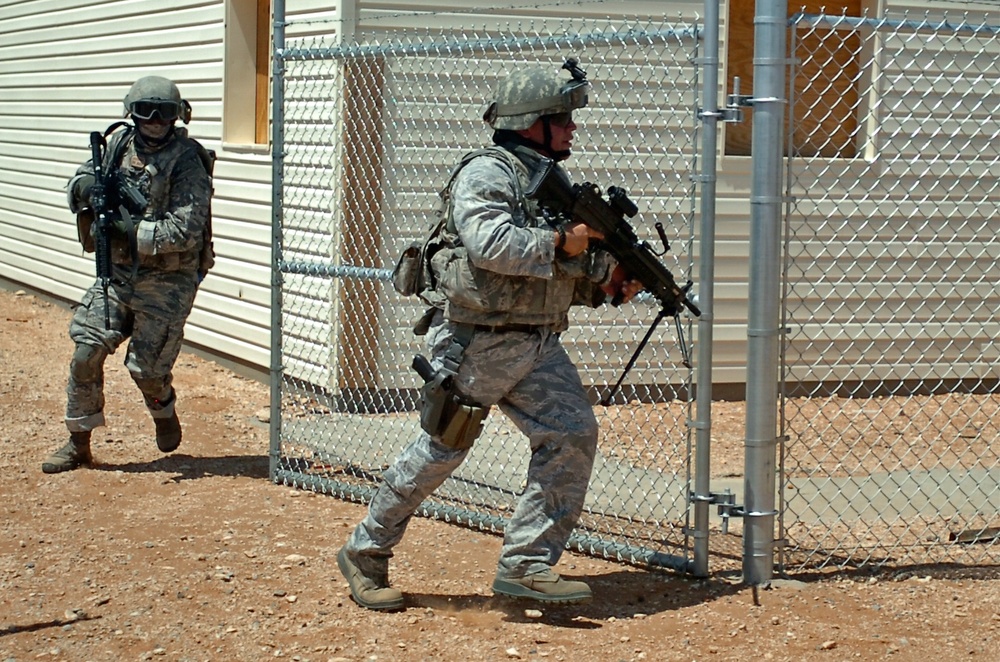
[112, 197]
[102, 223]
[583, 203]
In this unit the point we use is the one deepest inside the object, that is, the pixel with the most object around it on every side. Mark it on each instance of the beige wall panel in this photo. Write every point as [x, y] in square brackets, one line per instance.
[64, 68]
[73, 59]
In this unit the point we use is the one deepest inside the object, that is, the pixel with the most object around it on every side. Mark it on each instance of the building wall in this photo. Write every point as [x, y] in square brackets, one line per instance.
[66, 64]
[65, 67]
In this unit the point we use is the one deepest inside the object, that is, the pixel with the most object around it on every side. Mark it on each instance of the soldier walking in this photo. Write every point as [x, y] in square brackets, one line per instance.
[160, 249]
[504, 276]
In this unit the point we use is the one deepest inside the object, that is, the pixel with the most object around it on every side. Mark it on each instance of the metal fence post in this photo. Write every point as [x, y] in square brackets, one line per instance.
[277, 165]
[709, 116]
[763, 319]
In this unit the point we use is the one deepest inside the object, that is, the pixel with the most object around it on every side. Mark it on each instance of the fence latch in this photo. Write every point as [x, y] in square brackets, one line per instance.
[727, 507]
[735, 103]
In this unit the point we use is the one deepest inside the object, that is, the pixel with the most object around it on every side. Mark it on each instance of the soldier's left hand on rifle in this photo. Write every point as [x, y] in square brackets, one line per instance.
[573, 239]
[622, 287]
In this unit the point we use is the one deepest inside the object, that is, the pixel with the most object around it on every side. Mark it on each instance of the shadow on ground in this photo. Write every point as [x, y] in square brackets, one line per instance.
[189, 467]
[34, 627]
[617, 595]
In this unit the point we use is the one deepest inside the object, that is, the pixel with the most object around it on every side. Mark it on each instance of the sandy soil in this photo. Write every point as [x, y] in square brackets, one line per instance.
[196, 555]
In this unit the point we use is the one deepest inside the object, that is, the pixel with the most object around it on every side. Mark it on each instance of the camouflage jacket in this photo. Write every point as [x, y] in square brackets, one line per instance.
[500, 265]
[171, 231]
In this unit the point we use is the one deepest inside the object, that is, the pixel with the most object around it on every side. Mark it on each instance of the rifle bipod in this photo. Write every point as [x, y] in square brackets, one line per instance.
[685, 357]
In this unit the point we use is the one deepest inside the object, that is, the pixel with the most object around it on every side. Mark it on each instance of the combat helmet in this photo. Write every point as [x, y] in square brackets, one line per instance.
[156, 96]
[529, 93]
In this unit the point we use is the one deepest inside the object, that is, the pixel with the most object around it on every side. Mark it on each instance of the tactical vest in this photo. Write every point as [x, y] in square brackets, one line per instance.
[120, 138]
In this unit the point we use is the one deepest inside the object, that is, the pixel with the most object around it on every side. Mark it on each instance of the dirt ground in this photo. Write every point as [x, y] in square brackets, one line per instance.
[196, 555]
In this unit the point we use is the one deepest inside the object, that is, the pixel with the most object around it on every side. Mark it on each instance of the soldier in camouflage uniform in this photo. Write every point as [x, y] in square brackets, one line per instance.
[156, 267]
[506, 277]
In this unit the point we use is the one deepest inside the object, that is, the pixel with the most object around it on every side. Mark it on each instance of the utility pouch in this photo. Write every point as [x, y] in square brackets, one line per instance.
[406, 275]
[84, 228]
[463, 424]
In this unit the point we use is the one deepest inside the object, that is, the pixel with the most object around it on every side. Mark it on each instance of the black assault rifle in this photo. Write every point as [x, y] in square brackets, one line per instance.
[102, 229]
[111, 196]
[583, 203]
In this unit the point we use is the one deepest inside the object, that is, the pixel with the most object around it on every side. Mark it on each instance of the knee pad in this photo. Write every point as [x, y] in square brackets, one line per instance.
[87, 363]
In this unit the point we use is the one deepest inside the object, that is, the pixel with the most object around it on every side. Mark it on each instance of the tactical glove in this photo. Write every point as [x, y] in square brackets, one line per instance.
[119, 227]
[82, 189]
[122, 226]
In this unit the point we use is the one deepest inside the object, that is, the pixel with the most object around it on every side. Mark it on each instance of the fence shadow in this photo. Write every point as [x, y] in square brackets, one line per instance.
[34, 627]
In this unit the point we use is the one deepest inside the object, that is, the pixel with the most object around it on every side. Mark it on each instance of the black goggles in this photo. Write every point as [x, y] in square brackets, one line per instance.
[146, 109]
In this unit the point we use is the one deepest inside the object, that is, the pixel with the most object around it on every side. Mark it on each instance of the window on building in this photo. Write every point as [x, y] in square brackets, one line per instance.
[247, 72]
[826, 83]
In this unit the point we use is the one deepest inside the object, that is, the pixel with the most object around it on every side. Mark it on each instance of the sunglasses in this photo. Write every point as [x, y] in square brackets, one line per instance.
[561, 119]
[146, 109]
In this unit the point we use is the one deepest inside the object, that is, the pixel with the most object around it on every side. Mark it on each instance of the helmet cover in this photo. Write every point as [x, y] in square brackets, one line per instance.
[528, 93]
[155, 95]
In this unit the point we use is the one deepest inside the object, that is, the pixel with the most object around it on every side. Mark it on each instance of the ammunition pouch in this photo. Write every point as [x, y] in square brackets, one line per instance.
[406, 275]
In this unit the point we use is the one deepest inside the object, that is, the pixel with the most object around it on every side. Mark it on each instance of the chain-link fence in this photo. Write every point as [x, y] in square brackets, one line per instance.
[367, 135]
[890, 407]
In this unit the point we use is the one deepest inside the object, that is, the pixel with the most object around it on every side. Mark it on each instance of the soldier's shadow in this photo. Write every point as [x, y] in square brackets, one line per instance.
[189, 467]
[617, 595]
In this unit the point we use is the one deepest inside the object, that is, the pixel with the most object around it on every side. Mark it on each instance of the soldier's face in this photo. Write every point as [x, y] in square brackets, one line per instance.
[561, 128]
[154, 129]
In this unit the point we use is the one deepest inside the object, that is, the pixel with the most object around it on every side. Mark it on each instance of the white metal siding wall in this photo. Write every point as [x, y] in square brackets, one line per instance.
[64, 68]
[66, 64]
[913, 240]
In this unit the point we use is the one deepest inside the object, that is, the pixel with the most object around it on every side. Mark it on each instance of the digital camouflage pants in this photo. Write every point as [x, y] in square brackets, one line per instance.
[529, 376]
[149, 310]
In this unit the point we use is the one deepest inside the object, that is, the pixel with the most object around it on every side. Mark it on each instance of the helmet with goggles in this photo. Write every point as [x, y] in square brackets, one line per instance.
[527, 94]
[156, 97]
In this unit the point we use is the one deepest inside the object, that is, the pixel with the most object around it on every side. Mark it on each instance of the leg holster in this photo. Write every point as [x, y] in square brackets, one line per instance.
[451, 419]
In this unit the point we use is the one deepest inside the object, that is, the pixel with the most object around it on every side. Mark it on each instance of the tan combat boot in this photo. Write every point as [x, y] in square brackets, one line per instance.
[545, 586]
[72, 455]
[372, 592]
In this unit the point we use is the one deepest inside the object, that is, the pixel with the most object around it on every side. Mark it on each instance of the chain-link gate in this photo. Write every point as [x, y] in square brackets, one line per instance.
[368, 131]
[890, 412]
